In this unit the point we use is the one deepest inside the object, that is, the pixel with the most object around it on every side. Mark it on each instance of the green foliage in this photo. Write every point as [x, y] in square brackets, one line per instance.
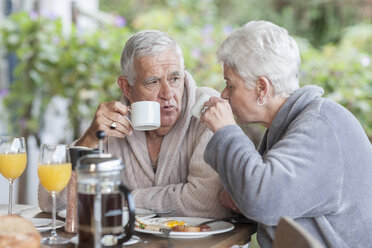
[84, 67]
[197, 29]
[32, 46]
[319, 21]
[344, 71]
[81, 68]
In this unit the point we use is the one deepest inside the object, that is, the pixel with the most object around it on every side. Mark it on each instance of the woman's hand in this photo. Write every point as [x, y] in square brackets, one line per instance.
[226, 201]
[217, 113]
[107, 114]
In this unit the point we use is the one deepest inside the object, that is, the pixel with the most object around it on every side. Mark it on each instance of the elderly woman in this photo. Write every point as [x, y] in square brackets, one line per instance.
[314, 163]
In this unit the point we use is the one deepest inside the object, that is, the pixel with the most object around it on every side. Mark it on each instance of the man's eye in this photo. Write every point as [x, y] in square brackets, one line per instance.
[152, 83]
[175, 79]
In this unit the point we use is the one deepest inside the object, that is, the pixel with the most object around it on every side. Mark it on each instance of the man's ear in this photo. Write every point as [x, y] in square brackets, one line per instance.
[262, 87]
[125, 87]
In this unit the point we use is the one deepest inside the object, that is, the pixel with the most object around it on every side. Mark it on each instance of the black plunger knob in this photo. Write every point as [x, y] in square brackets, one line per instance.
[101, 135]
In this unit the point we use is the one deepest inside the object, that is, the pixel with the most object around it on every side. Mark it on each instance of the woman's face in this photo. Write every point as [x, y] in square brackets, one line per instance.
[242, 100]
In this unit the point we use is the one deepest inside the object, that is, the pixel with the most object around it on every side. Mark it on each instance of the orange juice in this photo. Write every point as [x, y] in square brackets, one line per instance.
[54, 177]
[12, 165]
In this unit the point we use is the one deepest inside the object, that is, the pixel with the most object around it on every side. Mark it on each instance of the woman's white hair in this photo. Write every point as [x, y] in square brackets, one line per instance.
[146, 43]
[261, 48]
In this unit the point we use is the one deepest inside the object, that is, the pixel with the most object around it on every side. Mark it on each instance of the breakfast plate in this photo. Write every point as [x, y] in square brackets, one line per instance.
[133, 240]
[44, 224]
[62, 214]
[216, 227]
[140, 213]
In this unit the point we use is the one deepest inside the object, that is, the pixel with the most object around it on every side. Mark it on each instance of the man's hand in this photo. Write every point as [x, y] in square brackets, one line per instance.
[107, 114]
[227, 201]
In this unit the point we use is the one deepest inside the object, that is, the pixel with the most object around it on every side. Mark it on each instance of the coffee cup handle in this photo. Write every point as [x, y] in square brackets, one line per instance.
[129, 228]
[127, 117]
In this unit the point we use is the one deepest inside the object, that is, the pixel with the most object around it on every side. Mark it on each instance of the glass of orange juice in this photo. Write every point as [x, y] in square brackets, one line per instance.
[54, 171]
[13, 160]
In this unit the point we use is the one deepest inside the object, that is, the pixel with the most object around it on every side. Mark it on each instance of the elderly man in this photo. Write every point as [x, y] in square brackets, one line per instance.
[164, 168]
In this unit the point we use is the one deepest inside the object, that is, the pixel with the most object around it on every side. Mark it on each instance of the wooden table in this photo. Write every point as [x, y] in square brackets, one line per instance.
[238, 236]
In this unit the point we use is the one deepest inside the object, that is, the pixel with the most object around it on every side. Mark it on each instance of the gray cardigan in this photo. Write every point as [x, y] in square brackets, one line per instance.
[314, 164]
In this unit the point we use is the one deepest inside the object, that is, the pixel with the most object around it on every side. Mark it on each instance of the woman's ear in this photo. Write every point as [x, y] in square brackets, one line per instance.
[262, 87]
[125, 87]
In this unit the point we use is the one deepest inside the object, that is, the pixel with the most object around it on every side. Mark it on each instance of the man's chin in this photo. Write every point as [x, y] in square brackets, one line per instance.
[168, 122]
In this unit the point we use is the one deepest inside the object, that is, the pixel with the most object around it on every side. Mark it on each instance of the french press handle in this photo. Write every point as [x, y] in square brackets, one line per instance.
[129, 228]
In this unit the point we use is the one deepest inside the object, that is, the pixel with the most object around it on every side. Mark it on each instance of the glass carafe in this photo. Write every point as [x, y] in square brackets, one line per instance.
[100, 201]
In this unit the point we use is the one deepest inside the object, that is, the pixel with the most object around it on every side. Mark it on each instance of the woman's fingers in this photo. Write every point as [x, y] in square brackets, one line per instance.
[217, 113]
[228, 202]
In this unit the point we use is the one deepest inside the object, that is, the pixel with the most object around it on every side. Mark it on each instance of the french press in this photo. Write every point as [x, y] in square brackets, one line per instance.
[100, 202]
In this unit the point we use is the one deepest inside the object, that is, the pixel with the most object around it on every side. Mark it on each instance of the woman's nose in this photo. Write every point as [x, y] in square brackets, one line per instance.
[224, 94]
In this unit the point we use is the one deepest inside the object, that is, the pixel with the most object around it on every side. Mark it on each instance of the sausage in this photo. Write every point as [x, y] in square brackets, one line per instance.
[205, 228]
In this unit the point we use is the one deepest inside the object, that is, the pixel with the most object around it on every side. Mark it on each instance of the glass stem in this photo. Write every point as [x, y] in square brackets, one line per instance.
[10, 205]
[54, 233]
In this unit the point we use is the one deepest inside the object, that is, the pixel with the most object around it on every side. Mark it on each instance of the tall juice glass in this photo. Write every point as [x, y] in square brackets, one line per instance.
[54, 171]
[13, 160]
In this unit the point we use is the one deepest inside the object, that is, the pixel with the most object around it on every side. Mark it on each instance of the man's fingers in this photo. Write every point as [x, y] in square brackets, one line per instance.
[118, 107]
[120, 129]
[110, 118]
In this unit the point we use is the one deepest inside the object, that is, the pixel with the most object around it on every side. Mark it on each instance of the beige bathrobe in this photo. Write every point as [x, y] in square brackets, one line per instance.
[183, 182]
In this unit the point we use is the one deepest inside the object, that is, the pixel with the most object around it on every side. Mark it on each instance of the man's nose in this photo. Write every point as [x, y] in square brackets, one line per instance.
[165, 91]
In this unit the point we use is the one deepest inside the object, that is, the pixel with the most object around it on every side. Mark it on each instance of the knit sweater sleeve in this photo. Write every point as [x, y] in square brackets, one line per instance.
[300, 176]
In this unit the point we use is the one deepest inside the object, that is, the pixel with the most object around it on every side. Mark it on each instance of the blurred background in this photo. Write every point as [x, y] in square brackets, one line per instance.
[60, 58]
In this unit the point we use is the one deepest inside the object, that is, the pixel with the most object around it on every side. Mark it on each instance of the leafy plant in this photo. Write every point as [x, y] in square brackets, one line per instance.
[344, 70]
[81, 68]
[36, 54]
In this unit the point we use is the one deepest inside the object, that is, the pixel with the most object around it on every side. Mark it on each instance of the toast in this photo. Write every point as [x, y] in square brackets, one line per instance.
[185, 228]
[17, 232]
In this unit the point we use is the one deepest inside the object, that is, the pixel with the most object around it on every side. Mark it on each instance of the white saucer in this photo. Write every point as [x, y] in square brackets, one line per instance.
[45, 224]
[140, 213]
[133, 240]
[62, 213]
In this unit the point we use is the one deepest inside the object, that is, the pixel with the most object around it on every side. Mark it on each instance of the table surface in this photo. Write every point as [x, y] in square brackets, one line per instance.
[238, 236]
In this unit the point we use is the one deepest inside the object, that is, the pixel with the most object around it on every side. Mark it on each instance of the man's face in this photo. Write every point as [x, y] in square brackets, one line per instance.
[160, 78]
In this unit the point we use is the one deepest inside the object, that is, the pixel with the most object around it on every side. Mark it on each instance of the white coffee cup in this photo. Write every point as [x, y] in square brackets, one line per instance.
[144, 115]
[198, 105]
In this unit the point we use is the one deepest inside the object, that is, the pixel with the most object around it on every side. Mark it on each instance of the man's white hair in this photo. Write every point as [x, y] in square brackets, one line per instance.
[261, 48]
[146, 43]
